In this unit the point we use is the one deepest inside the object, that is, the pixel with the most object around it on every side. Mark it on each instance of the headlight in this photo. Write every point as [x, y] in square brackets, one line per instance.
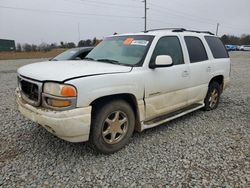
[61, 90]
[59, 96]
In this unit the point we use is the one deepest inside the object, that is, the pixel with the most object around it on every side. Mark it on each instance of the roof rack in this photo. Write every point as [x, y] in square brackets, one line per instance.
[179, 30]
[182, 30]
[160, 29]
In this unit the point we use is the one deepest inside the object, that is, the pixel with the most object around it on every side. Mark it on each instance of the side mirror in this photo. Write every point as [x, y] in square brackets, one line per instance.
[163, 60]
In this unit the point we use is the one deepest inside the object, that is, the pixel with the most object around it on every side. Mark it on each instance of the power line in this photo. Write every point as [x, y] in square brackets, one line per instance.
[191, 16]
[95, 4]
[110, 4]
[177, 12]
[67, 12]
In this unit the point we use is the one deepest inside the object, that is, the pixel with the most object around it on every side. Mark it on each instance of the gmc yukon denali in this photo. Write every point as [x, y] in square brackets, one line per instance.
[128, 82]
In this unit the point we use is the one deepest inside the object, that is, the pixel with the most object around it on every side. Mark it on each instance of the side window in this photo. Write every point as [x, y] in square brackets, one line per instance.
[196, 49]
[169, 46]
[217, 47]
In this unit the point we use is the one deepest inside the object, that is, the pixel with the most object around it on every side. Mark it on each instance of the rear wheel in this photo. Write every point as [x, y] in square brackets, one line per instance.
[112, 125]
[213, 96]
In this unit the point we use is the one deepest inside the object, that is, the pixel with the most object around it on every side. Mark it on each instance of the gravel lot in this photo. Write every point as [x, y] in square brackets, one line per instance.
[202, 149]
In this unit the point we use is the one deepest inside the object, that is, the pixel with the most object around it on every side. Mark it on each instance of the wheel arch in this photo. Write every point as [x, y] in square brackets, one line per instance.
[128, 97]
[220, 80]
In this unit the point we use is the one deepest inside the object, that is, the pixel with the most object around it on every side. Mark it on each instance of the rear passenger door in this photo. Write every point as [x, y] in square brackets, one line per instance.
[200, 69]
[220, 57]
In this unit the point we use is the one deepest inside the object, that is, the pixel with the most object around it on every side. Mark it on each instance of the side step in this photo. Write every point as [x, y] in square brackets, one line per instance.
[168, 117]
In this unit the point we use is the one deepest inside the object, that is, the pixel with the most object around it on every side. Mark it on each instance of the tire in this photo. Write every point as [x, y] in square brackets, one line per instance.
[112, 126]
[213, 96]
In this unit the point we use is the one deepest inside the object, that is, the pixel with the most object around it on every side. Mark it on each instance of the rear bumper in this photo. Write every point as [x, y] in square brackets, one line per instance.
[70, 125]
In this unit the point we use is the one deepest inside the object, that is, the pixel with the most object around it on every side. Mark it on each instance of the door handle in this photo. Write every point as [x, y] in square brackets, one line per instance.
[209, 69]
[185, 73]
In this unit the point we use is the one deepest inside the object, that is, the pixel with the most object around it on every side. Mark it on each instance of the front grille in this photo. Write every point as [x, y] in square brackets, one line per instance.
[30, 90]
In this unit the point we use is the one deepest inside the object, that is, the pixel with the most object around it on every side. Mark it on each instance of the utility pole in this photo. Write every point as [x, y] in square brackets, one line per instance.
[78, 32]
[145, 14]
[217, 29]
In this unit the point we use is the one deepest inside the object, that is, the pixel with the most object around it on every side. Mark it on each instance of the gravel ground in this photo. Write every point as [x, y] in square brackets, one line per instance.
[202, 149]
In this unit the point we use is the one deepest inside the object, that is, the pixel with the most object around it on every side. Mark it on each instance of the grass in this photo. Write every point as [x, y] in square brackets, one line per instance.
[30, 55]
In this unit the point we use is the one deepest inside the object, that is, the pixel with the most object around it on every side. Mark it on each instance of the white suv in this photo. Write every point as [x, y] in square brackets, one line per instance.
[128, 82]
[245, 48]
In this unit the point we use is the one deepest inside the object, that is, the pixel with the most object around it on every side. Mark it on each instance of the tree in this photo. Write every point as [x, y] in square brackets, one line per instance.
[70, 45]
[34, 48]
[53, 45]
[18, 47]
[62, 44]
[94, 41]
[44, 47]
[27, 47]
[245, 40]
[88, 42]
[81, 43]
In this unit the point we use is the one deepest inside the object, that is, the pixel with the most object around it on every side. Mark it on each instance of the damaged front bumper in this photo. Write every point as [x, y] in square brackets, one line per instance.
[70, 125]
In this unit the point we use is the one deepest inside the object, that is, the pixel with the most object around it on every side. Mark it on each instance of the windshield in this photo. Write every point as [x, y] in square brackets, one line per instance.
[123, 50]
[67, 55]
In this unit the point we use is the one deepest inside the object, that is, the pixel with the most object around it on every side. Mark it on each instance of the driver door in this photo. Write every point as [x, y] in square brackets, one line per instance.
[166, 88]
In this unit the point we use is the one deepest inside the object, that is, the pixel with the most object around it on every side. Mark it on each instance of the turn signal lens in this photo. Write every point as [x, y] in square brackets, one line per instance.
[58, 103]
[68, 91]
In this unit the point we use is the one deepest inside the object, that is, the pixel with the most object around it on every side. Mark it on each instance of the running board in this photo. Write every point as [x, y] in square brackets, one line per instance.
[168, 117]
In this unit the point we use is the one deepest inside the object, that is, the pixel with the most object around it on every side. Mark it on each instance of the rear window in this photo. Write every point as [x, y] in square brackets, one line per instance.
[196, 49]
[217, 47]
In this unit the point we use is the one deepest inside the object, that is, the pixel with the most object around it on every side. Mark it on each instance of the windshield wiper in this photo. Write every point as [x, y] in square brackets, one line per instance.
[88, 59]
[108, 61]
[111, 61]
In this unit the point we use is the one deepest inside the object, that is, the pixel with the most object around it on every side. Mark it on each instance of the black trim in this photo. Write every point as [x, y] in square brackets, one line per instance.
[162, 29]
[153, 66]
[179, 30]
[171, 114]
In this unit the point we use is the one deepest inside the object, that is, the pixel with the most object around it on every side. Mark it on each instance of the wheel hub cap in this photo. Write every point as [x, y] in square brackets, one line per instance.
[213, 98]
[115, 127]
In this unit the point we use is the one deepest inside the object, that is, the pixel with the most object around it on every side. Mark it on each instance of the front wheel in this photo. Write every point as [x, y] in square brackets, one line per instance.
[213, 96]
[112, 125]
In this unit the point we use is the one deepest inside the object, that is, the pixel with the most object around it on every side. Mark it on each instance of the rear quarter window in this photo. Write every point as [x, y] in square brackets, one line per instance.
[217, 47]
[196, 49]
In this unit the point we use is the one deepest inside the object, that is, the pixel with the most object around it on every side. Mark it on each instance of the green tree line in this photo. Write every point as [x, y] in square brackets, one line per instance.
[231, 39]
[47, 47]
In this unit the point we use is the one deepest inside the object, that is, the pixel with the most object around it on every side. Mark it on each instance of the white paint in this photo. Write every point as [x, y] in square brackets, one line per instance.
[162, 60]
[62, 70]
[158, 91]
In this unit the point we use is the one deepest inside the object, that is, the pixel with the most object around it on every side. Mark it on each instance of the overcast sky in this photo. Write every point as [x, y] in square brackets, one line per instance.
[36, 21]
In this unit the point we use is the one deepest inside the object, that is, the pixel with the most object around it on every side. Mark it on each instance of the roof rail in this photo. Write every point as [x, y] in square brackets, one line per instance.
[179, 30]
[160, 29]
[208, 32]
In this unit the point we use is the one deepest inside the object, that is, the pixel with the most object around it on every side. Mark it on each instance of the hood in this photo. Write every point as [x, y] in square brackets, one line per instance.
[64, 70]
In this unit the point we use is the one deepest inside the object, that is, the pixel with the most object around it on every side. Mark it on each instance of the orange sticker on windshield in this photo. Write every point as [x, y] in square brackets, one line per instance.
[128, 41]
